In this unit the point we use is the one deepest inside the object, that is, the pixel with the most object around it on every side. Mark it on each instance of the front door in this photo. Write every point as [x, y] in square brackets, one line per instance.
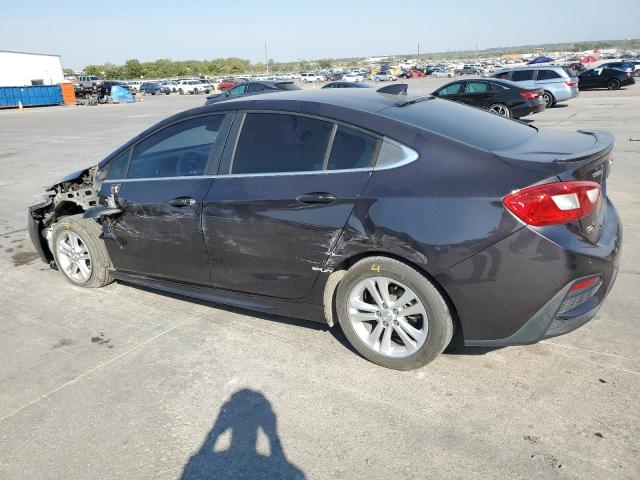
[160, 184]
[280, 203]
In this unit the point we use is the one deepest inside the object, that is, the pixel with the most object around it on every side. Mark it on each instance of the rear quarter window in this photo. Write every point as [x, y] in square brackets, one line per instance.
[547, 75]
[465, 124]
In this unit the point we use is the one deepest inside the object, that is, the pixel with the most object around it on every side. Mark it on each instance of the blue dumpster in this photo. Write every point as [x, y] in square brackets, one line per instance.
[32, 96]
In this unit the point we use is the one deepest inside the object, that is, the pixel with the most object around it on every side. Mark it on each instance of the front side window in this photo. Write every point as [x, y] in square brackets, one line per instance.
[118, 166]
[181, 149]
[239, 90]
[452, 89]
[521, 75]
[275, 143]
[352, 149]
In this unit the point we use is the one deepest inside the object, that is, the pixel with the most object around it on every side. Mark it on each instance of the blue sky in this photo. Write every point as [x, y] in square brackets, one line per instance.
[95, 32]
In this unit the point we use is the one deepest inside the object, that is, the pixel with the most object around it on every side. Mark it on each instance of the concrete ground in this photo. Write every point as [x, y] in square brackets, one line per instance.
[125, 383]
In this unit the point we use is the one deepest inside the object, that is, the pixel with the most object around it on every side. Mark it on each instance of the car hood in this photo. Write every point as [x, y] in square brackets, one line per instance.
[70, 177]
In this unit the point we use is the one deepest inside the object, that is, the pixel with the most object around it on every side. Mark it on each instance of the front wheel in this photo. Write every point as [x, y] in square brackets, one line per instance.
[500, 109]
[613, 84]
[392, 314]
[80, 253]
[180, 91]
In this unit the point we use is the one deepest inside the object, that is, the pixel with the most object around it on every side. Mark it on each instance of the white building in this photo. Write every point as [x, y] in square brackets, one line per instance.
[18, 69]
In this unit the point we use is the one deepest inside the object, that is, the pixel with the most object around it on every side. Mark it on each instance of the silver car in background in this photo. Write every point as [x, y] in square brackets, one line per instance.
[557, 83]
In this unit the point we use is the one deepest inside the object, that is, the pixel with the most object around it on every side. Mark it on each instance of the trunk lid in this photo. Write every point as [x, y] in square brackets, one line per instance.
[583, 155]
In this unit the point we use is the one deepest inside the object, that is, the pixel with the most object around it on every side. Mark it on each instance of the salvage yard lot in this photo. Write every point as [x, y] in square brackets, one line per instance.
[122, 382]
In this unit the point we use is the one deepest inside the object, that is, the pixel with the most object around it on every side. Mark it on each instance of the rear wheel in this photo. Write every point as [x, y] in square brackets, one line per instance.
[500, 109]
[79, 252]
[392, 315]
[613, 84]
[548, 98]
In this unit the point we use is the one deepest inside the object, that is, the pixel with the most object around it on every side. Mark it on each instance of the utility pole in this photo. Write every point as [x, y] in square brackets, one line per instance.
[418, 48]
[266, 57]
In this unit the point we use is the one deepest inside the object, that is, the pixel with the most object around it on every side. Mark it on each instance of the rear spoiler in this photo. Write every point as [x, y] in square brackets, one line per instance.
[604, 144]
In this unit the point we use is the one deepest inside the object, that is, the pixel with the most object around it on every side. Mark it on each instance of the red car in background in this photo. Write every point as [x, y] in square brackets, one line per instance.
[227, 84]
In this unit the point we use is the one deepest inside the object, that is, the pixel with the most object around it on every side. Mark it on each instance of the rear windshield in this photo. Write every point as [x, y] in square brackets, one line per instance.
[469, 125]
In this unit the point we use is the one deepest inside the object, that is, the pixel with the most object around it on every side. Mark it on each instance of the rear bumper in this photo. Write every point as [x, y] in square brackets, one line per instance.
[518, 291]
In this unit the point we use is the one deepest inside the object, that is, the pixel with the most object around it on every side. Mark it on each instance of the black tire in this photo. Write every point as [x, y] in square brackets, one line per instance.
[549, 99]
[89, 232]
[440, 323]
[180, 91]
[613, 84]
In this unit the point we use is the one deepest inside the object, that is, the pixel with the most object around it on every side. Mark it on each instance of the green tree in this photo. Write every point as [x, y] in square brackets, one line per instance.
[68, 72]
[325, 63]
[133, 68]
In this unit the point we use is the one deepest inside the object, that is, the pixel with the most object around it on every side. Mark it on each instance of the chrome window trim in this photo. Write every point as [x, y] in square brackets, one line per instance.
[157, 179]
[335, 123]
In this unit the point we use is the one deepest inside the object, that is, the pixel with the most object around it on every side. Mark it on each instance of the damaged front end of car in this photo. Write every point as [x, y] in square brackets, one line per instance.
[73, 194]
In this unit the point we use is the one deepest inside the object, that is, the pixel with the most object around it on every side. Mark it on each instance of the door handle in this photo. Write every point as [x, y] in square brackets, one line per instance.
[316, 197]
[183, 202]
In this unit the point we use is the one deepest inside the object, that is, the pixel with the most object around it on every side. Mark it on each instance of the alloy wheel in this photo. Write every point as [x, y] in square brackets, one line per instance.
[388, 317]
[499, 109]
[74, 257]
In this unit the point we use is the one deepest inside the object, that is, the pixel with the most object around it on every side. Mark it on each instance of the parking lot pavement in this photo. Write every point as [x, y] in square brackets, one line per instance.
[125, 383]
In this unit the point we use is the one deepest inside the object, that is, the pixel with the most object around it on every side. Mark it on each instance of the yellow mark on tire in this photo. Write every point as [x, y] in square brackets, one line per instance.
[375, 268]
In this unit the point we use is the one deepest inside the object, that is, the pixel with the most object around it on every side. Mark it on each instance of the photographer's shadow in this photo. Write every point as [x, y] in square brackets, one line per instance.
[244, 413]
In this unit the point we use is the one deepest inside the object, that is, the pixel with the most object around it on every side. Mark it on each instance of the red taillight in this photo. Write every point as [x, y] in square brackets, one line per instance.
[628, 74]
[588, 282]
[529, 95]
[571, 84]
[553, 203]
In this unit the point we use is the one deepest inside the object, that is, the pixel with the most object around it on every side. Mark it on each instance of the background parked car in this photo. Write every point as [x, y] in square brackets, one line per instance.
[502, 97]
[384, 77]
[191, 87]
[353, 77]
[308, 77]
[557, 83]
[88, 82]
[252, 88]
[154, 88]
[442, 74]
[468, 70]
[341, 84]
[610, 78]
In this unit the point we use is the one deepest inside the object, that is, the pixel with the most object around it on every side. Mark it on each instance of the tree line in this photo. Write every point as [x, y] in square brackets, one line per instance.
[166, 68]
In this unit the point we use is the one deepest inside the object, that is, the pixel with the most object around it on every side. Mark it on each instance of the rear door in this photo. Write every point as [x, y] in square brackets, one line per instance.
[160, 184]
[286, 187]
[477, 94]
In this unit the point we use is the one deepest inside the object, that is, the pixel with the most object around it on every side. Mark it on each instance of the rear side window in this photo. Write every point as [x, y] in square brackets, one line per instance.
[255, 88]
[521, 75]
[477, 87]
[181, 149]
[352, 149]
[275, 143]
[547, 75]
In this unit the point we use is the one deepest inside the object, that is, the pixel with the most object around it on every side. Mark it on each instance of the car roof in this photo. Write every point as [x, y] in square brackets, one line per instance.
[361, 99]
